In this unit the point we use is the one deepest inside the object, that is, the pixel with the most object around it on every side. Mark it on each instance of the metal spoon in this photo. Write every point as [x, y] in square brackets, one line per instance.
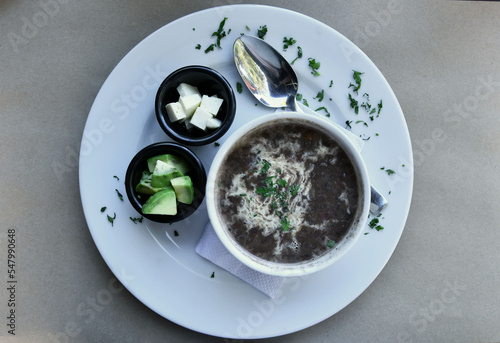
[268, 76]
[271, 79]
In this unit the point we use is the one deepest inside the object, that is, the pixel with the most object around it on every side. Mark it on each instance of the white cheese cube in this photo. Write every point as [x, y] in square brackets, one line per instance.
[190, 103]
[188, 124]
[211, 104]
[185, 89]
[213, 123]
[200, 118]
[175, 111]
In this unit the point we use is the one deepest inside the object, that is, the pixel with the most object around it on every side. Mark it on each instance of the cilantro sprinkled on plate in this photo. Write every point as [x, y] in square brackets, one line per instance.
[314, 66]
[262, 31]
[299, 54]
[120, 196]
[239, 87]
[357, 79]
[111, 219]
[287, 42]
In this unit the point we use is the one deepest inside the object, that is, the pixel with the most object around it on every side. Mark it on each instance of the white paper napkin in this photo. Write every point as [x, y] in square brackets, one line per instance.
[211, 248]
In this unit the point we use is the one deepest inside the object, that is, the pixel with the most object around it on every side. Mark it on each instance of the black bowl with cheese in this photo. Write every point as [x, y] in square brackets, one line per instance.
[209, 82]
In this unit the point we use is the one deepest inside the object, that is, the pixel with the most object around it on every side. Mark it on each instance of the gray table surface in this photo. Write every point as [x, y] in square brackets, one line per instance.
[442, 284]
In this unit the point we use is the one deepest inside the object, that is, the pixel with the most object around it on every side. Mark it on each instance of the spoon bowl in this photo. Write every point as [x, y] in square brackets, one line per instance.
[268, 76]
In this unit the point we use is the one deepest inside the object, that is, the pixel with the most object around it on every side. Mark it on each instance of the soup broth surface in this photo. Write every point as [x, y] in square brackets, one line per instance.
[287, 192]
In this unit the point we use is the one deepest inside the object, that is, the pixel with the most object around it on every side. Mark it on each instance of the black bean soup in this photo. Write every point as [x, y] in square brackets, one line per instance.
[287, 193]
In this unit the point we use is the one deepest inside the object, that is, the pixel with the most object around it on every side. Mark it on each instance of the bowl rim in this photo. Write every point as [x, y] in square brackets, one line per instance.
[211, 136]
[166, 147]
[305, 267]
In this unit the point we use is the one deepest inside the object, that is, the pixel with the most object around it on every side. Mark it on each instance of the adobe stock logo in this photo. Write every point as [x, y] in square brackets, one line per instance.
[372, 28]
[30, 27]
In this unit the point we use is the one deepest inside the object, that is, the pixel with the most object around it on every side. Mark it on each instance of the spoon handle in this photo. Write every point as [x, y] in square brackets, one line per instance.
[377, 202]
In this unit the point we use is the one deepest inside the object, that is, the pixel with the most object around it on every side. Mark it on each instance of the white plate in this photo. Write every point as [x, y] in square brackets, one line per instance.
[161, 269]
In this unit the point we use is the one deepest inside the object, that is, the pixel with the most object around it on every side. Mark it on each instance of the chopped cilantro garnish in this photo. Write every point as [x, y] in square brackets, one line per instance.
[348, 123]
[276, 189]
[367, 106]
[320, 95]
[103, 209]
[243, 195]
[210, 48]
[265, 167]
[285, 224]
[239, 87]
[119, 194]
[220, 33]
[294, 189]
[357, 78]
[379, 106]
[362, 121]
[198, 47]
[261, 32]
[116, 177]
[299, 97]
[374, 222]
[111, 219]
[213, 275]
[216, 143]
[331, 84]
[324, 109]
[264, 191]
[299, 54]
[137, 220]
[354, 104]
[314, 66]
[330, 244]
[176, 233]
[288, 42]
[390, 171]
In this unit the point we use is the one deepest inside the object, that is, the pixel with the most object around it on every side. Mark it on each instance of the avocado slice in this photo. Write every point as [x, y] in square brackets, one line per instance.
[162, 174]
[173, 160]
[163, 202]
[184, 190]
[146, 175]
[144, 187]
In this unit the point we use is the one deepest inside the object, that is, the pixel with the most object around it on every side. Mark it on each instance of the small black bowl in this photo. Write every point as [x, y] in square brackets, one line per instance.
[139, 164]
[209, 82]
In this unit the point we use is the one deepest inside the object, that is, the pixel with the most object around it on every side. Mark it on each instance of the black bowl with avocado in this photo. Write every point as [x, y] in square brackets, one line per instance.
[165, 182]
